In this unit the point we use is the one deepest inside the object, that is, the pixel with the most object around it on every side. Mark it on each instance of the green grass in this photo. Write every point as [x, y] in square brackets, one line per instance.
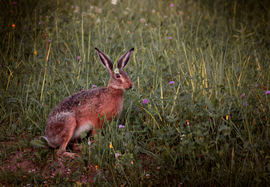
[217, 52]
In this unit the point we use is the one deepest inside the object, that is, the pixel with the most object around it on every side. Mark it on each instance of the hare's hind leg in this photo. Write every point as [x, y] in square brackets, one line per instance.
[59, 132]
[70, 126]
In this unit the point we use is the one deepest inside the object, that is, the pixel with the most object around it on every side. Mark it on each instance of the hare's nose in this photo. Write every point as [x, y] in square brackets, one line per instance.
[131, 86]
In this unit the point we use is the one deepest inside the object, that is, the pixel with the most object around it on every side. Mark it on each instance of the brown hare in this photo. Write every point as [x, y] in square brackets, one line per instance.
[87, 109]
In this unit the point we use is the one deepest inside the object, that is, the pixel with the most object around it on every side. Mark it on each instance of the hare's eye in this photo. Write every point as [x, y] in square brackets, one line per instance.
[117, 75]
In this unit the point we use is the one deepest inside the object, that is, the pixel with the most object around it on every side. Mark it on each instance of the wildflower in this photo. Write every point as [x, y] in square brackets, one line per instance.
[201, 155]
[129, 22]
[227, 117]
[145, 101]
[49, 40]
[99, 10]
[142, 20]
[171, 5]
[243, 96]
[121, 126]
[245, 104]
[158, 168]
[264, 88]
[72, 6]
[98, 20]
[131, 162]
[147, 175]
[139, 59]
[153, 11]
[25, 28]
[125, 13]
[171, 82]
[128, 32]
[111, 146]
[267, 92]
[13, 25]
[114, 2]
[117, 164]
[77, 9]
[169, 38]
[256, 85]
[200, 137]
[96, 166]
[180, 12]
[241, 30]
[78, 57]
[94, 86]
[35, 52]
[89, 142]
[117, 155]
[14, 3]
[187, 122]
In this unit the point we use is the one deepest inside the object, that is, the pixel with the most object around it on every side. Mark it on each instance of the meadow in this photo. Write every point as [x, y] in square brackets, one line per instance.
[198, 114]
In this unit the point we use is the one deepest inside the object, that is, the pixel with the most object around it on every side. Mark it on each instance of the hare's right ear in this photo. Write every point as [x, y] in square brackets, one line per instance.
[106, 61]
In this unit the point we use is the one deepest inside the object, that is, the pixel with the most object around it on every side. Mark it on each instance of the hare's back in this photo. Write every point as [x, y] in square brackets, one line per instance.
[79, 99]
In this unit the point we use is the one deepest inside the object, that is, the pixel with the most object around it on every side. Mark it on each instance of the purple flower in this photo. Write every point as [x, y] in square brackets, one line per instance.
[171, 5]
[241, 30]
[144, 101]
[169, 38]
[267, 92]
[139, 59]
[171, 82]
[180, 12]
[72, 7]
[78, 57]
[256, 85]
[49, 40]
[121, 126]
[14, 3]
[94, 86]
[245, 104]
[25, 28]
[243, 96]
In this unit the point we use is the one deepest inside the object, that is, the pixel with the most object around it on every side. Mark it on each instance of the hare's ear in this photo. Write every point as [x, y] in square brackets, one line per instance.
[124, 59]
[106, 61]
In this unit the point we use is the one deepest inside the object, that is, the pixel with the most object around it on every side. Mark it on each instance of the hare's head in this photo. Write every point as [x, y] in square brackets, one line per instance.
[119, 79]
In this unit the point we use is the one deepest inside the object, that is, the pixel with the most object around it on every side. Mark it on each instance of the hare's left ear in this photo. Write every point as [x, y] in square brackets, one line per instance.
[124, 59]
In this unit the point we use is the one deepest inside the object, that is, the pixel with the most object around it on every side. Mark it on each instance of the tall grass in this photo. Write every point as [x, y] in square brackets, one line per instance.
[207, 128]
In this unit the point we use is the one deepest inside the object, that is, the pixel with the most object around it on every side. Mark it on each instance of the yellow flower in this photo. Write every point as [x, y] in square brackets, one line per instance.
[227, 117]
[187, 122]
[35, 52]
[111, 146]
[96, 166]
[13, 25]
[131, 162]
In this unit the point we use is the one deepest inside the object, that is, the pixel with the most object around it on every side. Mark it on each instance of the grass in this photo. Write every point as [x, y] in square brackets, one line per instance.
[210, 127]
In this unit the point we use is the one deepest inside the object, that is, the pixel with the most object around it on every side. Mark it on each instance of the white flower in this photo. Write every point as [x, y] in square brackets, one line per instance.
[77, 9]
[114, 2]
[98, 20]
[117, 155]
[142, 20]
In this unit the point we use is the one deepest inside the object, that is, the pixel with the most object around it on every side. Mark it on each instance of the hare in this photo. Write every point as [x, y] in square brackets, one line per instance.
[87, 109]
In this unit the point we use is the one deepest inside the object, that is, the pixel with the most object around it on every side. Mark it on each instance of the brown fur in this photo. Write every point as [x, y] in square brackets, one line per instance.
[88, 109]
